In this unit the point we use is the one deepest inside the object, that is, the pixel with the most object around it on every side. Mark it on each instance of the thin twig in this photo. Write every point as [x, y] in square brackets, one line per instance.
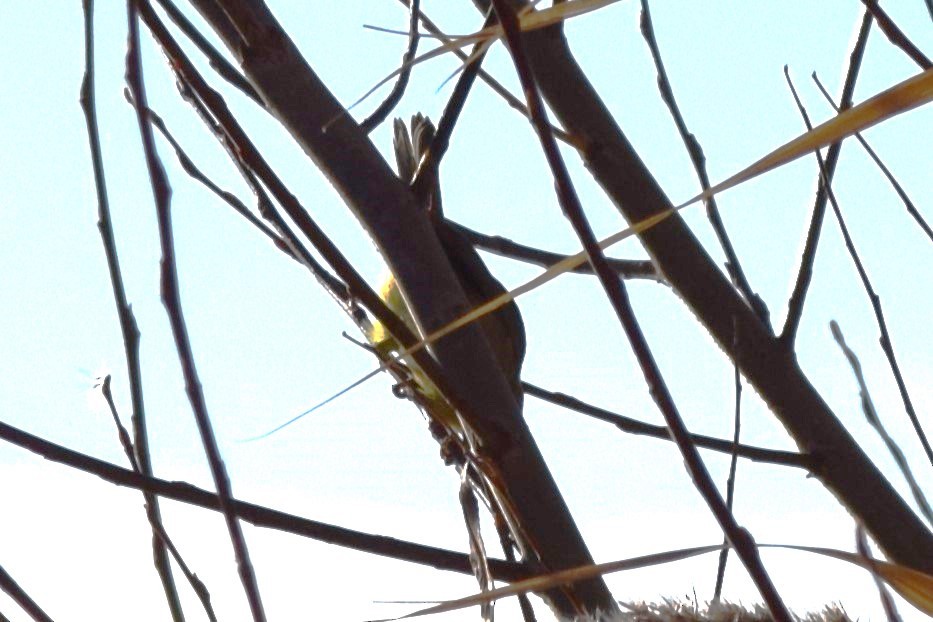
[128, 327]
[171, 298]
[290, 243]
[258, 515]
[625, 268]
[122, 432]
[514, 102]
[358, 288]
[285, 241]
[19, 595]
[398, 89]
[808, 257]
[158, 529]
[430, 162]
[188, 165]
[908, 203]
[218, 63]
[506, 541]
[844, 468]
[733, 464]
[478, 558]
[887, 603]
[868, 407]
[895, 35]
[615, 291]
[697, 157]
[633, 426]
[283, 233]
[885, 339]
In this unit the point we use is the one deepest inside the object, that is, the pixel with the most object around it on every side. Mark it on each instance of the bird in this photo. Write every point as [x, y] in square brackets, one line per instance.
[504, 328]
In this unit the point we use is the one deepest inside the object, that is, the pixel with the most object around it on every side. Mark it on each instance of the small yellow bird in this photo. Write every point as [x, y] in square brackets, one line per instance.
[503, 328]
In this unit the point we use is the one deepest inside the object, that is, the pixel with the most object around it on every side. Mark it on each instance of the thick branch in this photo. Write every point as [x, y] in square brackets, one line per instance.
[841, 465]
[294, 94]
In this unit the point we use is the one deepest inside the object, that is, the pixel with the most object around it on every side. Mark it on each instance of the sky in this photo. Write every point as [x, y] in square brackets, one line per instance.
[268, 342]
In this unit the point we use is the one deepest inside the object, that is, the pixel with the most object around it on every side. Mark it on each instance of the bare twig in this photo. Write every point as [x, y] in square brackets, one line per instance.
[258, 515]
[478, 558]
[733, 463]
[285, 240]
[217, 61]
[868, 407]
[158, 529]
[172, 300]
[615, 291]
[122, 433]
[128, 327]
[625, 268]
[21, 598]
[842, 466]
[407, 238]
[633, 426]
[808, 257]
[875, 300]
[430, 162]
[358, 288]
[695, 151]
[491, 82]
[398, 89]
[861, 545]
[911, 208]
[506, 541]
[188, 165]
[895, 35]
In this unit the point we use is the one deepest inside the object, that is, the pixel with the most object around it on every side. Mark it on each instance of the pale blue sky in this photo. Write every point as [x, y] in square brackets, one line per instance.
[267, 339]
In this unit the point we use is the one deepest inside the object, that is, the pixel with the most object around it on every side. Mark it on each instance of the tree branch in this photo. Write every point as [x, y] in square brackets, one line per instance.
[171, 298]
[625, 268]
[740, 539]
[874, 299]
[386, 207]
[839, 463]
[129, 329]
[695, 151]
[634, 426]
[808, 256]
[258, 515]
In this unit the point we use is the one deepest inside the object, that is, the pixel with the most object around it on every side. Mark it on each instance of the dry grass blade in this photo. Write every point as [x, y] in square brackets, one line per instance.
[907, 95]
[861, 545]
[914, 586]
[529, 20]
[557, 579]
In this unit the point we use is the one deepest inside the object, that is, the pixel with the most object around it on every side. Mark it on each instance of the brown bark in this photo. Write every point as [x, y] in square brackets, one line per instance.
[386, 207]
[771, 368]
